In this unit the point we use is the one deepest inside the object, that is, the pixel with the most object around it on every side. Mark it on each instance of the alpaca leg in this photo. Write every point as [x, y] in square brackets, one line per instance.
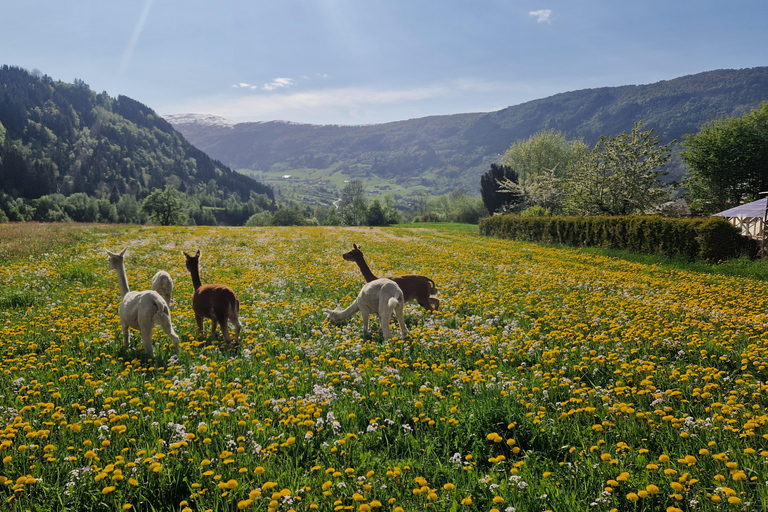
[385, 313]
[126, 335]
[164, 321]
[401, 319]
[146, 340]
[385, 327]
[199, 320]
[233, 317]
[225, 330]
[366, 316]
[214, 323]
[426, 304]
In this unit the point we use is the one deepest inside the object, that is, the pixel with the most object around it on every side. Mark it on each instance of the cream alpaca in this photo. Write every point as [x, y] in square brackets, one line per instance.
[381, 297]
[415, 287]
[141, 310]
[162, 283]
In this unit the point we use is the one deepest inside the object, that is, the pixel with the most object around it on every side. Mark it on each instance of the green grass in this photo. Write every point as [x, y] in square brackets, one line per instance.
[552, 378]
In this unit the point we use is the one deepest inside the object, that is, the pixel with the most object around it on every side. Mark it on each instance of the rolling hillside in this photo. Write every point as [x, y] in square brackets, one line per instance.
[441, 153]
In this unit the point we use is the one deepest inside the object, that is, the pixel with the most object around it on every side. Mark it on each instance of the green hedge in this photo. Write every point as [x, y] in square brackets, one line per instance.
[711, 238]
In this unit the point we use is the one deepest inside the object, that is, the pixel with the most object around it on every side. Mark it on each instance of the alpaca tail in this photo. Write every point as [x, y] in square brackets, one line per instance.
[392, 303]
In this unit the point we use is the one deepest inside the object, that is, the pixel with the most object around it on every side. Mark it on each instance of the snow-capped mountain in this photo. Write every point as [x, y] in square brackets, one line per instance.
[199, 119]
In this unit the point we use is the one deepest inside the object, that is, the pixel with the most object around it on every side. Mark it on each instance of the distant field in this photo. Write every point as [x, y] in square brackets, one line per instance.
[550, 379]
[325, 185]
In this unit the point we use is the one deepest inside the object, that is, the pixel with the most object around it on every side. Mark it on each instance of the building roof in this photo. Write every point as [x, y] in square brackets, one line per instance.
[753, 209]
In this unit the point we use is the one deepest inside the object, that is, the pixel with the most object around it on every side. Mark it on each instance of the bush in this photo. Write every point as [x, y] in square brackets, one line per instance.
[711, 239]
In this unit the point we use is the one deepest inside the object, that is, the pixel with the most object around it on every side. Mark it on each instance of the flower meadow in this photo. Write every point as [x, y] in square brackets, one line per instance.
[550, 379]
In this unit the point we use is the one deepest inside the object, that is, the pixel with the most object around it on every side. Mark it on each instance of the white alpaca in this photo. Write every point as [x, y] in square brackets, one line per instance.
[382, 297]
[163, 284]
[141, 310]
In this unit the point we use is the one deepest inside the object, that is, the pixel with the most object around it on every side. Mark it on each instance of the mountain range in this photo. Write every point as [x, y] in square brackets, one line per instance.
[439, 154]
[62, 138]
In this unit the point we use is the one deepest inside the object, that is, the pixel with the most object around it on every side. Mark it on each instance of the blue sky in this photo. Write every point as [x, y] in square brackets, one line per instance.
[372, 61]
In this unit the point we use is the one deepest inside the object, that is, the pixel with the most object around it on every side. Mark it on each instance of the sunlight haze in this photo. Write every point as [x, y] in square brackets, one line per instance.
[351, 62]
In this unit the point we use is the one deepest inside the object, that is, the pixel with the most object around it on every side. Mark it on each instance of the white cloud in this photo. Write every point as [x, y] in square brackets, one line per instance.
[243, 85]
[361, 105]
[291, 105]
[278, 83]
[542, 15]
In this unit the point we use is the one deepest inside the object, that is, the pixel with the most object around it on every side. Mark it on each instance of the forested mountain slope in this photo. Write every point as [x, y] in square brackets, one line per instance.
[64, 138]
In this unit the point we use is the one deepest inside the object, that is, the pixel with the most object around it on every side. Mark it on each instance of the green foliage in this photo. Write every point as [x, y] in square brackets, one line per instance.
[621, 176]
[61, 140]
[288, 216]
[450, 151]
[164, 207]
[728, 161]
[376, 215]
[710, 239]
[17, 299]
[353, 206]
[547, 150]
[259, 219]
[493, 198]
[536, 211]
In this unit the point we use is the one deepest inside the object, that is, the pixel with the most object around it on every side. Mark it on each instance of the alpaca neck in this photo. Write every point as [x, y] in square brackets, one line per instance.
[122, 280]
[195, 278]
[349, 312]
[367, 274]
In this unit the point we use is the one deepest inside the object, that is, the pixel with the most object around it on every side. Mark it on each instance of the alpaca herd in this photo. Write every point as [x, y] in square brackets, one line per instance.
[143, 310]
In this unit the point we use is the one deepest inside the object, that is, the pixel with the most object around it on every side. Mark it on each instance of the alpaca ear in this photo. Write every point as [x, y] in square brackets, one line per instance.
[185, 254]
[356, 246]
[122, 253]
[110, 253]
[197, 255]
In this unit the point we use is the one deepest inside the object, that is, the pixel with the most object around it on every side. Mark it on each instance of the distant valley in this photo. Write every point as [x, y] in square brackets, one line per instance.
[440, 154]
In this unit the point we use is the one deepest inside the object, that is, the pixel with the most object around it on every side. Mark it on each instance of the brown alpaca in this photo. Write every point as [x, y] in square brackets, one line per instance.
[214, 301]
[415, 287]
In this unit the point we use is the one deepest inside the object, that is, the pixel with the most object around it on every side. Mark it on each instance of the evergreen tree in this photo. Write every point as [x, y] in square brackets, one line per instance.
[493, 198]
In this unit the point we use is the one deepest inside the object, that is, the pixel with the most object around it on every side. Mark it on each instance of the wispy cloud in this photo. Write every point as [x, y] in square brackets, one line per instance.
[542, 15]
[243, 85]
[278, 83]
[355, 105]
[287, 105]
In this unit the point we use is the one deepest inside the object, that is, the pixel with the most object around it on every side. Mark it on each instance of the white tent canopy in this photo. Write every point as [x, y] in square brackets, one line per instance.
[748, 217]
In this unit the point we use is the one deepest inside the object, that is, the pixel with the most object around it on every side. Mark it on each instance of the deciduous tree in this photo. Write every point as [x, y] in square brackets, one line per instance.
[727, 161]
[620, 176]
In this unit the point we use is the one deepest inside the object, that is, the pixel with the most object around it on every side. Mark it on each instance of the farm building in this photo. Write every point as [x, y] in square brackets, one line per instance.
[749, 217]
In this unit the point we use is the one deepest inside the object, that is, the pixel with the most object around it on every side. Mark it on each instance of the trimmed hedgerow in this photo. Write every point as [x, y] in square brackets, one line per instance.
[711, 239]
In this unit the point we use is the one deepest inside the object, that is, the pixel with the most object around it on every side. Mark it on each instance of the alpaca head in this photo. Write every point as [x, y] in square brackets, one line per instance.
[192, 261]
[333, 316]
[353, 255]
[115, 260]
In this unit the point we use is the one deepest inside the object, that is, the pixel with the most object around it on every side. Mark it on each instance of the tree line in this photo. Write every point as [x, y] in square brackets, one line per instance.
[60, 141]
[547, 174]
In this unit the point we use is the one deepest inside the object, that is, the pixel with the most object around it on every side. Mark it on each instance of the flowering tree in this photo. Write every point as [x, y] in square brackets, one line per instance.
[620, 176]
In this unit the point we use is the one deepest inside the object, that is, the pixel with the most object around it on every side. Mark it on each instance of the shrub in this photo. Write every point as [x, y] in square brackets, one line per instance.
[711, 239]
